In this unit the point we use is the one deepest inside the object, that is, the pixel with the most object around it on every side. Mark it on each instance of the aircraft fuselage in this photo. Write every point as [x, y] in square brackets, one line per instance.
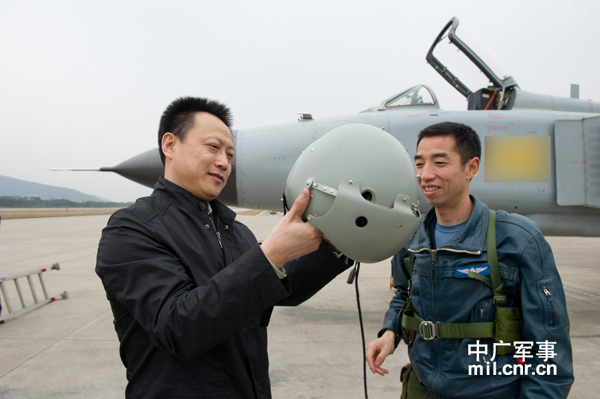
[260, 171]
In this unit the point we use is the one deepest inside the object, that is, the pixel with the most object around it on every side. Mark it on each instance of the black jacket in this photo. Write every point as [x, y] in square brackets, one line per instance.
[191, 316]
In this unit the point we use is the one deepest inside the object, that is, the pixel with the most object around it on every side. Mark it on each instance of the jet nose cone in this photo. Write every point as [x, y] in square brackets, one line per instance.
[144, 168]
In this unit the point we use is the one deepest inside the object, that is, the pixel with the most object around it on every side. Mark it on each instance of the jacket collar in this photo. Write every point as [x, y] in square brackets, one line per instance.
[472, 237]
[182, 198]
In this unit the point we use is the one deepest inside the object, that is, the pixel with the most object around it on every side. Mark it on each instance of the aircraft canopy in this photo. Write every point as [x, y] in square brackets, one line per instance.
[468, 63]
[417, 96]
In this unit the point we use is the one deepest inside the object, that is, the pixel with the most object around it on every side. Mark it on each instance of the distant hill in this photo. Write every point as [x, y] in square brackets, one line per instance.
[21, 188]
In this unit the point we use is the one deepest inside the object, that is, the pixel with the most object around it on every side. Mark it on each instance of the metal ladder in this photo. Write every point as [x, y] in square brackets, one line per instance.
[37, 302]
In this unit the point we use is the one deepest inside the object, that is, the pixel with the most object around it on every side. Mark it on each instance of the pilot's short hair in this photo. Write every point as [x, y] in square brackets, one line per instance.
[467, 143]
[179, 117]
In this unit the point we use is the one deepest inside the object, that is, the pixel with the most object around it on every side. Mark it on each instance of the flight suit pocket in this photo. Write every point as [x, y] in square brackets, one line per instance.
[555, 307]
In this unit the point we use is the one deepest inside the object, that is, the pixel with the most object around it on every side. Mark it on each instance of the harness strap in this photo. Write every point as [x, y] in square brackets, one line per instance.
[430, 330]
[409, 263]
[492, 255]
[484, 279]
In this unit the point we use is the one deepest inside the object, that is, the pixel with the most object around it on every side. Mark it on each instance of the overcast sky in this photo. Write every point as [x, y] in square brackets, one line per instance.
[83, 83]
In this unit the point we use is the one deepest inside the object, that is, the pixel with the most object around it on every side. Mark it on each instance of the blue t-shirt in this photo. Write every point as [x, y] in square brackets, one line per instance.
[444, 233]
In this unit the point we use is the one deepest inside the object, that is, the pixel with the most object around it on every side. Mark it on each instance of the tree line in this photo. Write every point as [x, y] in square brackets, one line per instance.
[37, 202]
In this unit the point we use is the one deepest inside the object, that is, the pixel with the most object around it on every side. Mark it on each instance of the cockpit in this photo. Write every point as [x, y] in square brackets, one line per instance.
[474, 70]
[473, 66]
[417, 96]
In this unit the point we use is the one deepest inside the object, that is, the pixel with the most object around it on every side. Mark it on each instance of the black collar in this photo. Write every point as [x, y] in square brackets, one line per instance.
[184, 199]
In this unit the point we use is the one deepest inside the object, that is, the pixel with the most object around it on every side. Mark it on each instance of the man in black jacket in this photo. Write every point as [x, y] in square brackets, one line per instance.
[190, 288]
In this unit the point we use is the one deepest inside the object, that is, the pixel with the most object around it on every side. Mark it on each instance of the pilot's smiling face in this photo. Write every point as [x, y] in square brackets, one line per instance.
[201, 162]
[444, 179]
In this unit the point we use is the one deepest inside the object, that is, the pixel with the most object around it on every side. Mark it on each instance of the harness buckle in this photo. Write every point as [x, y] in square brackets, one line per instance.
[429, 330]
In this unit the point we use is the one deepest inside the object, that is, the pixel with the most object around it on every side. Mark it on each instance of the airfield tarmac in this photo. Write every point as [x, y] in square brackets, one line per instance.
[69, 349]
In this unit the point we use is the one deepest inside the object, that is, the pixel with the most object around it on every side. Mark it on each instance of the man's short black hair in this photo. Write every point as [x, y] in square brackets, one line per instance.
[467, 143]
[179, 117]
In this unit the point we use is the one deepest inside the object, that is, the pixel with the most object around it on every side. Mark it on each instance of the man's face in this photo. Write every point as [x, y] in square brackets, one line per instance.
[201, 163]
[444, 180]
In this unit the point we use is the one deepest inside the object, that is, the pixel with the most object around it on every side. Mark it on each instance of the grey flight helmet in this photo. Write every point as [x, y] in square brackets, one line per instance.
[363, 191]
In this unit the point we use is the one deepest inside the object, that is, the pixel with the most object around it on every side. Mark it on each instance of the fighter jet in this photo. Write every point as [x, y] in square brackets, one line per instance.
[541, 153]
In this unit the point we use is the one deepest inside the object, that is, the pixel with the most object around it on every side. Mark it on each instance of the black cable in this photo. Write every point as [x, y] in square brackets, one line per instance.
[286, 208]
[353, 277]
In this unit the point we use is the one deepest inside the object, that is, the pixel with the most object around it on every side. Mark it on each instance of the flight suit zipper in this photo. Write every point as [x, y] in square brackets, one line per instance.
[433, 251]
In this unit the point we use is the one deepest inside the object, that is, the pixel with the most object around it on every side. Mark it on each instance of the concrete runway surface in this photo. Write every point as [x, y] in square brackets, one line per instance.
[69, 348]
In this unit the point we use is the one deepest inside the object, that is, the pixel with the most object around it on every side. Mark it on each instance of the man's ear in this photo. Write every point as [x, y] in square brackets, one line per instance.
[168, 143]
[472, 168]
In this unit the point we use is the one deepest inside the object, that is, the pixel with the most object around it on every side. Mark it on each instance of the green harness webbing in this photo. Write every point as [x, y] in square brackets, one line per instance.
[507, 325]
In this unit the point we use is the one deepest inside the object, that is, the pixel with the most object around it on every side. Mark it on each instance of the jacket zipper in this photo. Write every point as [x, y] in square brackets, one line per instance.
[548, 295]
[437, 360]
[433, 251]
[217, 232]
